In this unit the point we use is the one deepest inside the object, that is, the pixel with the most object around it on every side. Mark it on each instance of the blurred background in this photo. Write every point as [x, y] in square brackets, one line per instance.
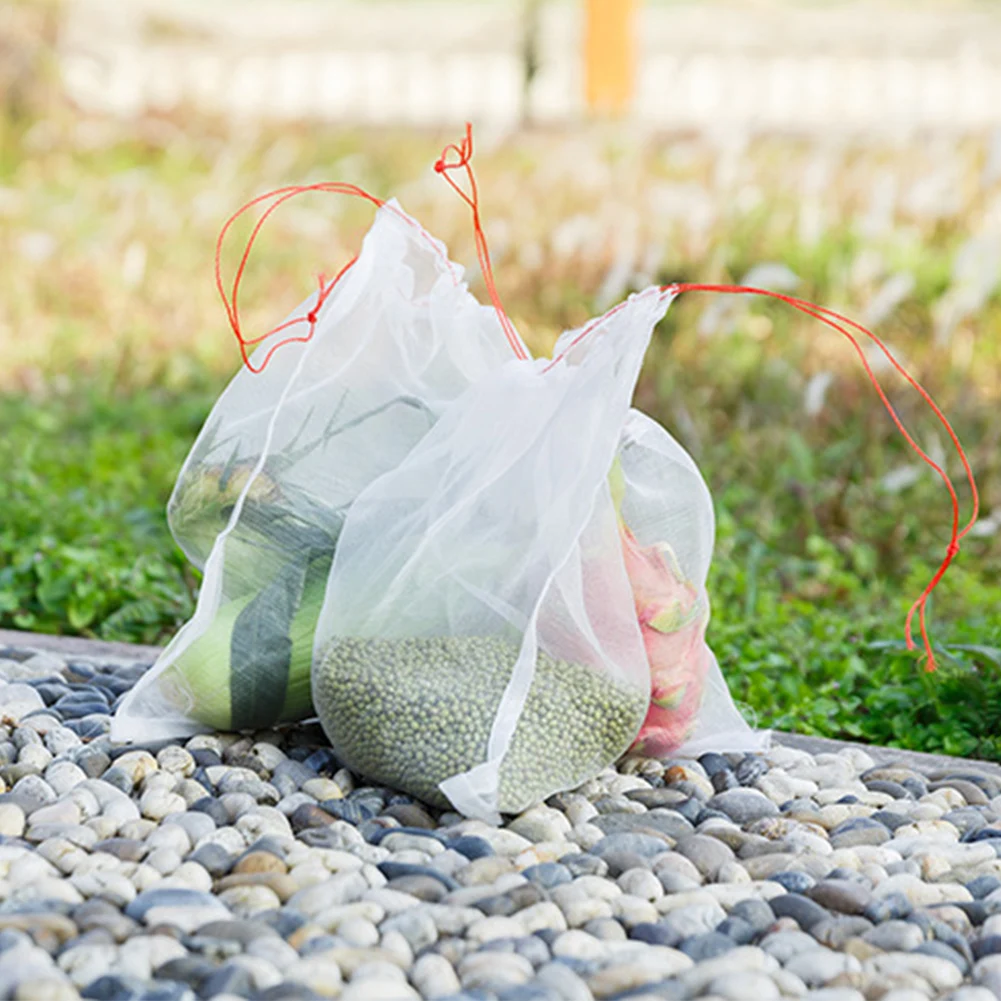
[849, 153]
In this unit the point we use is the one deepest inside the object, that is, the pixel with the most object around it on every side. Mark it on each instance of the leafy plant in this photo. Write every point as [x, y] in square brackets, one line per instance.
[84, 546]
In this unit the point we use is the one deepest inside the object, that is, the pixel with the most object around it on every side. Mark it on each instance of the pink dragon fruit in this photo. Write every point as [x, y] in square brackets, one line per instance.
[672, 614]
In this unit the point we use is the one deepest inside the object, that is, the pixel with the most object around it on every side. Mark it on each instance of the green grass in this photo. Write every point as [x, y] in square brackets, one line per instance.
[114, 347]
[84, 546]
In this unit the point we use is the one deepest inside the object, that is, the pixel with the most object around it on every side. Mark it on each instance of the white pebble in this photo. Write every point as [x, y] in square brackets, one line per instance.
[395, 944]
[321, 789]
[490, 928]
[37, 755]
[191, 875]
[85, 800]
[939, 973]
[274, 950]
[226, 837]
[741, 986]
[163, 781]
[580, 810]
[19, 700]
[359, 932]
[289, 804]
[537, 917]
[59, 740]
[262, 821]
[434, 977]
[170, 836]
[136, 830]
[789, 984]
[493, 969]
[541, 823]
[745, 958]
[144, 953]
[641, 883]
[732, 871]
[27, 868]
[85, 963]
[630, 911]
[190, 791]
[112, 886]
[971, 994]
[164, 860]
[120, 811]
[576, 944]
[62, 812]
[586, 836]
[322, 975]
[11, 820]
[136, 764]
[268, 754]
[99, 862]
[157, 803]
[818, 967]
[246, 901]
[144, 877]
[177, 760]
[62, 776]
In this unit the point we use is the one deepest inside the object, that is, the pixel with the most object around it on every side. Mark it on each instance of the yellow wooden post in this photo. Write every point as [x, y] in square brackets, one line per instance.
[609, 55]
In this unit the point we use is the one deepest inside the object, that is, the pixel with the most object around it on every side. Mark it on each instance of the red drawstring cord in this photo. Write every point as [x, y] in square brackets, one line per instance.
[464, 151]
[835, 320]
[230, 302]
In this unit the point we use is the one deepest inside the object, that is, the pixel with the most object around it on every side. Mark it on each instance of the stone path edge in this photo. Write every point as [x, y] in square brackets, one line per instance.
[78, 646]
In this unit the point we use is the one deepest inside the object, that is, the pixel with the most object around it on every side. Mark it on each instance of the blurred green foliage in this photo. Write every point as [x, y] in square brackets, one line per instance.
[84, 546]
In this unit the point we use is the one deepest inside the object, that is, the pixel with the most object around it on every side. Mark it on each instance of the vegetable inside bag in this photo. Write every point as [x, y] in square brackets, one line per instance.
[666, 528]
[261, 499]
[479, 643]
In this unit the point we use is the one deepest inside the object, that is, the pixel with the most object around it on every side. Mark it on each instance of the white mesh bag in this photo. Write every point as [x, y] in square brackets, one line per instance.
[488, 573]
[666, 526]
[479, 643]
[261, 499]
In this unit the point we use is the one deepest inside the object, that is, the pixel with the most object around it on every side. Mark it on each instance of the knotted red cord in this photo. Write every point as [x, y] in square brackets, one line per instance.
[464, 152]
[230, 302]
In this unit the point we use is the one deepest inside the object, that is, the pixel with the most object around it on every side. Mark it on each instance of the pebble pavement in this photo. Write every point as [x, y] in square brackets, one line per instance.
[227, 866]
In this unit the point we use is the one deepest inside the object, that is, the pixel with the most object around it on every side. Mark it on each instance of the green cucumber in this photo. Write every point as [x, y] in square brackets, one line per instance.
[299, 691]
[251, 668]
[204, 668]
